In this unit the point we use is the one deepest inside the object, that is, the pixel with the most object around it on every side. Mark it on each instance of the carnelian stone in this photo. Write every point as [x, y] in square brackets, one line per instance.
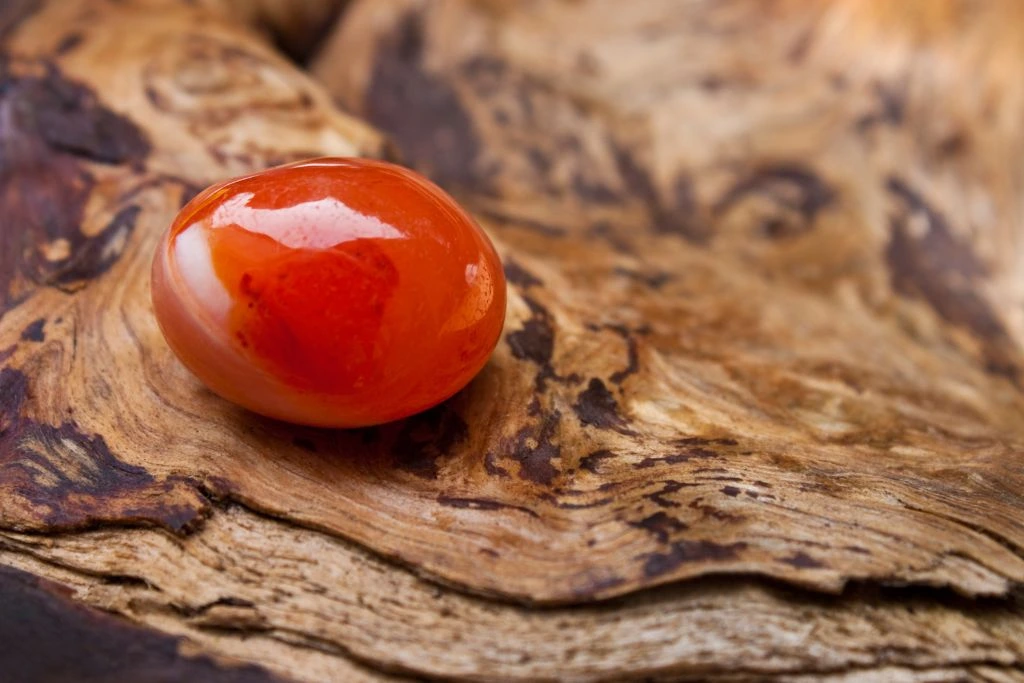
[334, 292]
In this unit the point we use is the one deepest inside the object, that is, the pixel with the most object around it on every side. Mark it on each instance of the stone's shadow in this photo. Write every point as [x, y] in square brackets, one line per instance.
[410, 446]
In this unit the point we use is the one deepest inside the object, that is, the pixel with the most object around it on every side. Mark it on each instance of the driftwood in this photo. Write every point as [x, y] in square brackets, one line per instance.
[759, 406]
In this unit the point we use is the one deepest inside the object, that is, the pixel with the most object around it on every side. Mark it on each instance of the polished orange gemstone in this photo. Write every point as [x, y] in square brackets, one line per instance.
[332, 292]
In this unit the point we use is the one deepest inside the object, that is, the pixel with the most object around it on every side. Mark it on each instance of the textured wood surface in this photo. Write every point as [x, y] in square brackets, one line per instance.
[758, 410]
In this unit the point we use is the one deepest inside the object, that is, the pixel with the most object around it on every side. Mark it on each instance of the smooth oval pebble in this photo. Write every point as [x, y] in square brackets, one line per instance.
[334, 292]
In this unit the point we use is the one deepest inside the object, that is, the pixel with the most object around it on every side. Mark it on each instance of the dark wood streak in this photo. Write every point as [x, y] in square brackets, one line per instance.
[655, 280]
[661, 525]
[802, 560]
[519, 276]
[676, 458]
[70, 118]
[596, 406]
[592, 461]
[34, 332]
[68, 43]
[96, 256]
[681, 552]
[13, 12]
[492, 468]
[71, 480]
[794, 186]
[506, 220]
[535, 341]
[45, 636]
[536, 452]
[709, 511]
[890, 110]
[48, 127]
[677, 217]
[482, 504]
[594, 192]
[632, 356]
[596, 586]
[942, 270]
[662, 497]
[440, 139]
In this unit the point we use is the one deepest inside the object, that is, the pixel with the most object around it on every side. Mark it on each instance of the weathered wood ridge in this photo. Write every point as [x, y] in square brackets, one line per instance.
[759, 407]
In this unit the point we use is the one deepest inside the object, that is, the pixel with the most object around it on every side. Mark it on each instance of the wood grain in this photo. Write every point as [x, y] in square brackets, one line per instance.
[758, 409]
[307, 604]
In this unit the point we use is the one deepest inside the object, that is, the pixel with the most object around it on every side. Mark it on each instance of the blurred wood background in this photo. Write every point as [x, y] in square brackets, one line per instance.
[758, 413]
